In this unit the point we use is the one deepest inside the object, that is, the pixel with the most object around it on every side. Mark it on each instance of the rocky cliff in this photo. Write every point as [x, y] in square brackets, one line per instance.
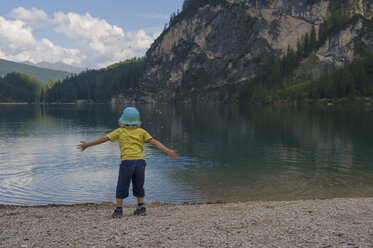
[224, 43]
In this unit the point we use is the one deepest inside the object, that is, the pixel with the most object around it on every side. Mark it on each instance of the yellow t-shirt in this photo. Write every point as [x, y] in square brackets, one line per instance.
[131, 142]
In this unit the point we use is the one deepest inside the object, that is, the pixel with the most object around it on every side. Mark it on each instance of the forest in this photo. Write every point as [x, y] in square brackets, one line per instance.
[91, 85]
[18, 87]
[352, 82]
[98, 85]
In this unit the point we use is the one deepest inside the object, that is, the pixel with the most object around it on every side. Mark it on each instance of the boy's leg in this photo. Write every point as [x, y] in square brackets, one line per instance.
[138, 179]
[126, 171]
[119, 202]
[140, 200]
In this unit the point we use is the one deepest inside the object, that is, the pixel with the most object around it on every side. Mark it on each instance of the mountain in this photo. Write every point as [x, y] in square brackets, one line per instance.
[56, 66]
[41, 74]
[244, 51]
[219, 51]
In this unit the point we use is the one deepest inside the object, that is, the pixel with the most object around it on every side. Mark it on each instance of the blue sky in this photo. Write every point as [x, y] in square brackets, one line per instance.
[85, 33]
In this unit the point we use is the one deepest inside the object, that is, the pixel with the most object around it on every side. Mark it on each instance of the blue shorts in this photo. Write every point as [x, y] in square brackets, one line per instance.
[131, 170]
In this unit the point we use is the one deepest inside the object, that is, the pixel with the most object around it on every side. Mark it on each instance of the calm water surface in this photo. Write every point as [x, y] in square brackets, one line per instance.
[229, 153]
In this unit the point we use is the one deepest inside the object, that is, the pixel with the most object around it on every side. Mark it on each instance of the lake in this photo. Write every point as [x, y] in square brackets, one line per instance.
[226, 153]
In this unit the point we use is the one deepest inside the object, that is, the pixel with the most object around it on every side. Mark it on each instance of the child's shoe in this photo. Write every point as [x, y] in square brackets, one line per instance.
[140, 211]
[117, 213]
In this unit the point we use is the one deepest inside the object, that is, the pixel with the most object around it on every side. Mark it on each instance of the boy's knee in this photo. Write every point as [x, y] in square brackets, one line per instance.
[139, 193]
[121, 195]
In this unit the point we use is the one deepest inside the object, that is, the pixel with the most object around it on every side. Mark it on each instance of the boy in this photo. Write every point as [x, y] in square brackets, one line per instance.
[131, 142]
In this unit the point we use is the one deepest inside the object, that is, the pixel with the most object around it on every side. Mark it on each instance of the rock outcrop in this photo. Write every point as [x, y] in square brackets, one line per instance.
[222, 44]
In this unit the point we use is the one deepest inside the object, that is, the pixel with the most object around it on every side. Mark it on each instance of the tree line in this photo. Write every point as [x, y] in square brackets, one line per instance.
[19, 87]
[90, 85]
[98, 85]
[189, 6]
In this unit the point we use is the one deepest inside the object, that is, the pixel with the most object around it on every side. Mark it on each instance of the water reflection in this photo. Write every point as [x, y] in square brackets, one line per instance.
[228, 153]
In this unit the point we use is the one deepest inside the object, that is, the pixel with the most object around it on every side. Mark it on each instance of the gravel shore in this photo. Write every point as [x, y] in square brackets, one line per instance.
[303, 223]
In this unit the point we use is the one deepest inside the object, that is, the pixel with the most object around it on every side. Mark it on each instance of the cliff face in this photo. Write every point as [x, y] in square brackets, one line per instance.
[223, 44]
[344, 46]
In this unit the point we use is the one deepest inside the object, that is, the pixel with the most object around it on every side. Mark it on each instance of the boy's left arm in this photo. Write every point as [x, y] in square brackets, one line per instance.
[160, 146]
[84, 145]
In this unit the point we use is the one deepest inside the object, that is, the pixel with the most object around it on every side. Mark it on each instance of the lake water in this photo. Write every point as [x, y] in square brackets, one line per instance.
[226, 153]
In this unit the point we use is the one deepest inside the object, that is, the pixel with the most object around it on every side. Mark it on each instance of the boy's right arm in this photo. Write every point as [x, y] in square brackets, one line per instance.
[83, 145]
[160, 146]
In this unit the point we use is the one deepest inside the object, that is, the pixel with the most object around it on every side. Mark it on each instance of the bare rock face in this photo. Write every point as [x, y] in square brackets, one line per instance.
[337, 51]
[340, 48]
[221, 44]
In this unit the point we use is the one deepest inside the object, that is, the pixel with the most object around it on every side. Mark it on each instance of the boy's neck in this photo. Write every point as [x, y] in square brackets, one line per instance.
[131, 127]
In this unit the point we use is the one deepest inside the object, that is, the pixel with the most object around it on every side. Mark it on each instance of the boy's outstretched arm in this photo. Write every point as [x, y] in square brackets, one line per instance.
[160, 146]
[83, 145]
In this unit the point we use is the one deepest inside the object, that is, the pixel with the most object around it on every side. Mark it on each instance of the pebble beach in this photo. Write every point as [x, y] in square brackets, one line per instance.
[301, 223]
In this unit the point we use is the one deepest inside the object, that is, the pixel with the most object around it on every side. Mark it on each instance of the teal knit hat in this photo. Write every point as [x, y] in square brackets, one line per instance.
[130, 116]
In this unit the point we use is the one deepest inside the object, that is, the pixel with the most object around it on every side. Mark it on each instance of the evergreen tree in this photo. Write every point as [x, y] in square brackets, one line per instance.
[360, 77]
[299, 52]
[313, 39]
[306, 45]
[42, 95]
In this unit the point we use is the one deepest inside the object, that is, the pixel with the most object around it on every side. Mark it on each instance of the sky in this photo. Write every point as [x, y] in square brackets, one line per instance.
[84, 33]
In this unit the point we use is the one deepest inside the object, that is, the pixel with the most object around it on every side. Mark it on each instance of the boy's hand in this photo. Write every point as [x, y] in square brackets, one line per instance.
[82, 146]
[172, 154]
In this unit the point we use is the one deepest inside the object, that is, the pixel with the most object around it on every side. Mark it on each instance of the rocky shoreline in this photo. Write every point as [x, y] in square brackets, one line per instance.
[302, 223]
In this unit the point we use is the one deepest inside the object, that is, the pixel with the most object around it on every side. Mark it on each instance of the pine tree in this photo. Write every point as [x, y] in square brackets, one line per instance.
[299, 50]
[306, 45]
[42, 95]
[313, 39]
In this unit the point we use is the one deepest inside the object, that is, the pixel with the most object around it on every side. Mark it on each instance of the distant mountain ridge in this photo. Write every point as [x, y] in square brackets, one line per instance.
[60, 66]
[41, 74]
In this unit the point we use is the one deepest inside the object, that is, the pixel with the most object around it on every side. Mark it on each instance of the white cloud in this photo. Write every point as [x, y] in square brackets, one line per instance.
[36, 18]
[101, 42]
[96, 43]
[18, 43]
[85, 26]
[14, 34]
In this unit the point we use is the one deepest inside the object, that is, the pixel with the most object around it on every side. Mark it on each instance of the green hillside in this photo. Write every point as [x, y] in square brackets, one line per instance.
[41, 74]
[98, 85]
[18, 87]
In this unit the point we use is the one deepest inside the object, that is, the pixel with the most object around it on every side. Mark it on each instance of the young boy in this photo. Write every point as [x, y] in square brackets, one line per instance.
[131, 142]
